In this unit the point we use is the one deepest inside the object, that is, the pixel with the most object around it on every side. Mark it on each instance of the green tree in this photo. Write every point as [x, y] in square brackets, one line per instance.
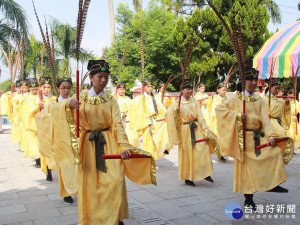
[213, 54]
[14, 19]
[33, 57]
[160, 58]
[5, 85]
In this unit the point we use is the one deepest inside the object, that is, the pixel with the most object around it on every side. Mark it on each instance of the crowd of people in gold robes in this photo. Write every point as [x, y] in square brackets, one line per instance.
[149, 125]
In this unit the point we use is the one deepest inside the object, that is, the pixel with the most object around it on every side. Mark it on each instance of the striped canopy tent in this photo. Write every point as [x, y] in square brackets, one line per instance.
[281, 52]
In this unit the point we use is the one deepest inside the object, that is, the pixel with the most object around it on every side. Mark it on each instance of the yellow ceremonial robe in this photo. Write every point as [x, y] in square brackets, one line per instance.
[30, 108]
[102, 197]
[67, 173]
[194, 162]
[168, 101]
[47, 161]
[5, 101]
[280, 114]
[152, 125]
[294, 131]
[125, 106]
[251, 173]
[15, 126]
[21, 119]
[204, 105]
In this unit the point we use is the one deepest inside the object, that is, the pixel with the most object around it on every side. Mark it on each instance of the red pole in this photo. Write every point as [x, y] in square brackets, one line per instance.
[41, 98]
[77, 97]
[267, 144]
[12, 94]
[133, 156]
[201, 140]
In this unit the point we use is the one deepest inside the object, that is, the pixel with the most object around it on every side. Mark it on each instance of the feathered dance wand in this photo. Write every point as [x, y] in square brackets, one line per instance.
[238, 47]
[49, 48]
[81, 19]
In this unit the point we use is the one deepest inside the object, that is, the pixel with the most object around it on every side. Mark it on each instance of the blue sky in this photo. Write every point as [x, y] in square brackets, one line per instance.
[97, 33]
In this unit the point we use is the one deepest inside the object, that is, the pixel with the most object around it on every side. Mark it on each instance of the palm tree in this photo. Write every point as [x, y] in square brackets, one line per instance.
[14, 19]
[112, 20]
[33, 55]
[65, 36]
[273, 9]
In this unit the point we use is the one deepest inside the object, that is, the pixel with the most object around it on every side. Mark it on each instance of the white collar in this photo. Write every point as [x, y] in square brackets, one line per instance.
[271, 94]
[92, 92]
[248, 94]
[220, 97]
[61, 98]
[159, 93]
[47, 96]
[147, 94]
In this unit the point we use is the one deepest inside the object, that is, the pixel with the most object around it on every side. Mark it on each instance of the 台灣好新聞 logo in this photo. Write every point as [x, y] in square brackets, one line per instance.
[233, 210]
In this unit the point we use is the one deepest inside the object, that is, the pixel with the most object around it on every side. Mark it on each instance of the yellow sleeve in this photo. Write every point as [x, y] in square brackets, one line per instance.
[173, 125]
[227, 122]
[287, 116]
[137, 113]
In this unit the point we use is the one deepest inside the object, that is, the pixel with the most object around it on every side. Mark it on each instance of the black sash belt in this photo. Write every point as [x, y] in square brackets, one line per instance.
[278, 120]
[97, 136]
[154, 104]
[192, 126]
[256, 136]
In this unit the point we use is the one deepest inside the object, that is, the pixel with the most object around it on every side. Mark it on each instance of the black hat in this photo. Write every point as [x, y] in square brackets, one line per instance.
[265, 84]
[148, 82]
[18, 83]
[251, 73]
[221, 85]
[160, 85]
[187, 83]
[121, 84]
[63, 79]
[97, 66]
[276, 81]
[24, 83]
[33, 82]
[45, 80]
[201, 85]
[86, 86]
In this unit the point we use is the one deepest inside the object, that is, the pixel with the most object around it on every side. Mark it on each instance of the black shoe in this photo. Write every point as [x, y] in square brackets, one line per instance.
[68, 200]
[209, 179]
[38, 163]
[190, 183]
[49, 176]
[121, 223]
[223, 159]
[278, 189]
[250, 203]
[166, 152]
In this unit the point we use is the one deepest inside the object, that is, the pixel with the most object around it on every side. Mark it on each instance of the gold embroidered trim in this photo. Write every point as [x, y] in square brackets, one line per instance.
[289, 151]
[141, 152]
[72, 128]
[177, 122]
[253, 98]
[240, 135]
[94, 100]
[214, 144]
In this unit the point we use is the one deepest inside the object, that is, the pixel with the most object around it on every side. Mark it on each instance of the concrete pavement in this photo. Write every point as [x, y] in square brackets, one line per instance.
[27, 198]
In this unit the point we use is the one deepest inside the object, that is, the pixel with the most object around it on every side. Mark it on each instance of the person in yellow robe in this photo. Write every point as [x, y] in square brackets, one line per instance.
[204, 102]
[47, 164]
[265, 86]
[15, 127]
[294, 127]
[148, 117]
[215, 100]
[280, 115]
[66, 172]
[102, 197]
[5, 101]
[125, 106]
[186, 125]
[254, 170]
[30, 107]
[167, 100]
[22, 113]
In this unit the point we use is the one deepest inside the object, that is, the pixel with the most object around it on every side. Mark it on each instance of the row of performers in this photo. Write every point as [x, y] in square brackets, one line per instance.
[111, 125]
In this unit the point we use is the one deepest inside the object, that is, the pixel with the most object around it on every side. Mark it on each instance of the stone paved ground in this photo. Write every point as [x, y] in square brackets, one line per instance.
[27, 198]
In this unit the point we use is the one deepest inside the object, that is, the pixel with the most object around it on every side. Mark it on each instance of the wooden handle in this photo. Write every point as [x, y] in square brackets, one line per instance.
[268, 144]
[133, 156]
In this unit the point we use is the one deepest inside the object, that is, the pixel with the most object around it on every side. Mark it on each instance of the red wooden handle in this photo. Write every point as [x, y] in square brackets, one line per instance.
[77, 97]
[171, 96]
[282, 96]
[267, 144]
[201, 140]
[202, 99]
[133, 156]
[160, 120]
